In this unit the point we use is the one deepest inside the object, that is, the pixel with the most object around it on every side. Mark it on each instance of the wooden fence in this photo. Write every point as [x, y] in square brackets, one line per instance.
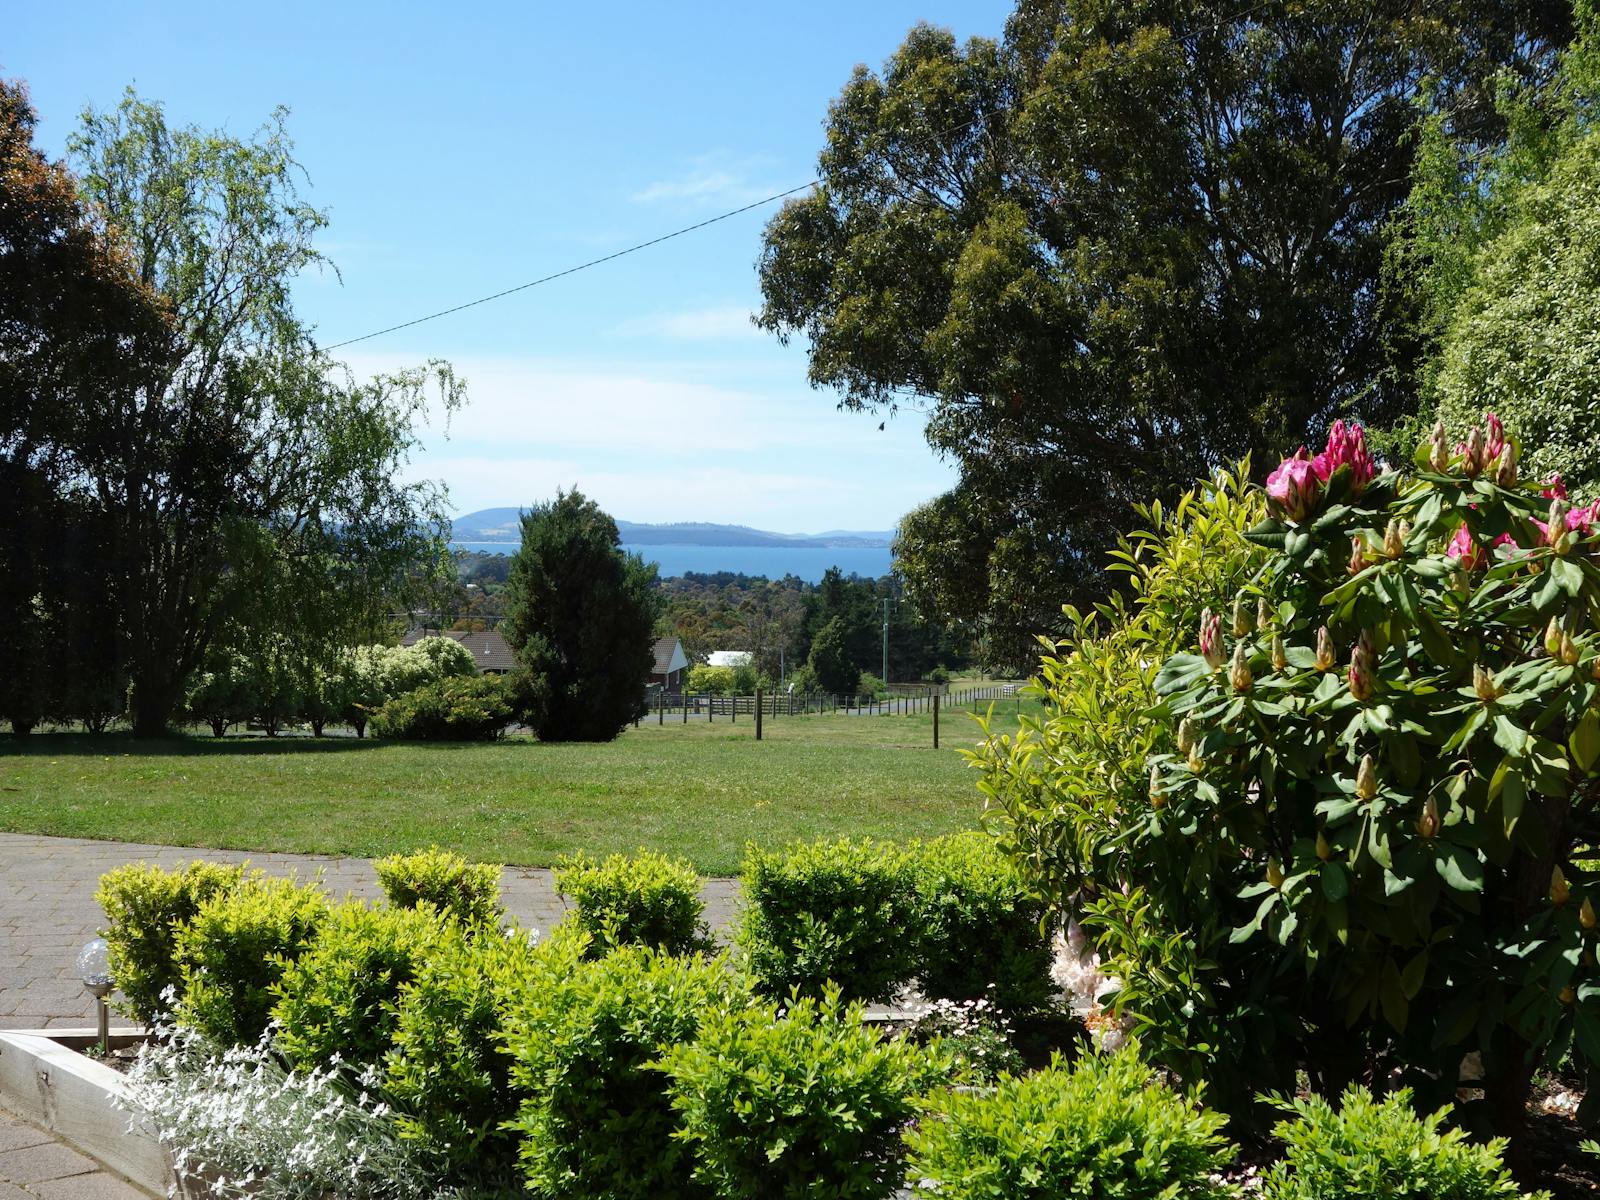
[682, 707]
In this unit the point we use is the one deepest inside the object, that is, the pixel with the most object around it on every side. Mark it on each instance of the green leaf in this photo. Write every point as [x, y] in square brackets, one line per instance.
[1566, 575]
[1585, 740]
[1510, 736]
[1460, 869]
[1335, 882]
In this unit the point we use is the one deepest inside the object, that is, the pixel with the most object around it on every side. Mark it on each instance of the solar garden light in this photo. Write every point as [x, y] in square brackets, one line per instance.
[94, 968]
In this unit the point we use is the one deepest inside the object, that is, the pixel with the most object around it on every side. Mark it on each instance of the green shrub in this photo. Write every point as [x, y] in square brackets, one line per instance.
[597, 1120]
[449, 1073]
[1108, 1129]
[461, 708]
[714, 681]
[234, 950]
[340, 995]
[647, 899]
[1375, 1150]
[805, 1104]
[842, 911]
[468, 892]
[979, 926]
[146, 906]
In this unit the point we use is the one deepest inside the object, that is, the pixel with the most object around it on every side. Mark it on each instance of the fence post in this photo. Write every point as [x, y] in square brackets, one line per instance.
[758, 714]
[936, 720]
[685, 699]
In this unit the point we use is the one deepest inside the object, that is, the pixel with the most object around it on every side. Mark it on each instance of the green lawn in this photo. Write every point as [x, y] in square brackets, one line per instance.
[697, 791]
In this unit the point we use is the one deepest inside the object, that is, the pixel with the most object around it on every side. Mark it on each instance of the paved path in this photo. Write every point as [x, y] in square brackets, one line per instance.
[34, 1166]
[47, 911]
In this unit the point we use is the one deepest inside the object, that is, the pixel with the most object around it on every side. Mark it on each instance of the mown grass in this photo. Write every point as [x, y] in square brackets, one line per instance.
[700, 791]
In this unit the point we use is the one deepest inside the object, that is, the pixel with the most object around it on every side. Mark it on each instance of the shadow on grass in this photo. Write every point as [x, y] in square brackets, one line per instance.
[102, 745]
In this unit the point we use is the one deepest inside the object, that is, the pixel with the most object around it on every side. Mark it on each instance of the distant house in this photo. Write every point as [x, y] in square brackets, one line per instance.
[489, 649]
[671, 664]
[730, 658]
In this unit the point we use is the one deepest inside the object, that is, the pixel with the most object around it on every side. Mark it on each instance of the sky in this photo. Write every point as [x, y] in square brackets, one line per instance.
[463, 149]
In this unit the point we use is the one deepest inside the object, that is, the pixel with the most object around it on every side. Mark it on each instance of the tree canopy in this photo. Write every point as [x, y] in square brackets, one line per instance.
[236, 475]
[1119, 246]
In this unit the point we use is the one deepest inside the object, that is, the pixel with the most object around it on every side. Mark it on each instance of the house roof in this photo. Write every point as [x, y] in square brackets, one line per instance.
[669, 656]
[489, 649]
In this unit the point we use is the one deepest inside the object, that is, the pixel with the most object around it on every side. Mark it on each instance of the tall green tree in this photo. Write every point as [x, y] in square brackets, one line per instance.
[580, 614]
[246, 478]
[1127, 242]
[1501, 245]
[76, 328]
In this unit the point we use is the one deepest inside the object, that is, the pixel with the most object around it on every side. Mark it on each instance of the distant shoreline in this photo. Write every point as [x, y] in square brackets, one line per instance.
[774, 562]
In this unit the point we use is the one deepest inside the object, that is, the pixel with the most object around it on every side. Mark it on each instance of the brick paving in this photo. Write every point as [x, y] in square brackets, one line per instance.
[47, 911]
[34, 1166]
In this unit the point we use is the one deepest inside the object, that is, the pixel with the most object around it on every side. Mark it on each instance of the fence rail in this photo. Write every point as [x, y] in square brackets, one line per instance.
[683, 707]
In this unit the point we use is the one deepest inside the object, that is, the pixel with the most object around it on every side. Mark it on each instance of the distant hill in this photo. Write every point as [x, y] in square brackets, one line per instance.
[502, 525]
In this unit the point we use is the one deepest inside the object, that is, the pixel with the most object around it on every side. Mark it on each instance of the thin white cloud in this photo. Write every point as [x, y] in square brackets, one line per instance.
[714, 179]
[656, 442]
[723, 323]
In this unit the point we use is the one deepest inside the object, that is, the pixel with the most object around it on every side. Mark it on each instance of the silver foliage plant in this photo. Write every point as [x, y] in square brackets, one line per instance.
[238, 1123]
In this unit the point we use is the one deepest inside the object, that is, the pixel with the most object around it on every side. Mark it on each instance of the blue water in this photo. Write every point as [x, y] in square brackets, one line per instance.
[774, 562]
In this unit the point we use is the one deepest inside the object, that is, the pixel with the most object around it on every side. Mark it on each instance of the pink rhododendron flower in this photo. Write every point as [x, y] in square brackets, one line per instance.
[1495, 441]
[1556, 489]
[1580, 522]
[1472, 555]
[1295, 486]
[1347, 447]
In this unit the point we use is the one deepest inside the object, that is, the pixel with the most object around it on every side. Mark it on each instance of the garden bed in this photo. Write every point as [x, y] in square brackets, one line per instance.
[47, 1078]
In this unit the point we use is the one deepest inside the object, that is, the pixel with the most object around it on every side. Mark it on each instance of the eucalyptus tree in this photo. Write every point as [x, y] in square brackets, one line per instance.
[1126, 242]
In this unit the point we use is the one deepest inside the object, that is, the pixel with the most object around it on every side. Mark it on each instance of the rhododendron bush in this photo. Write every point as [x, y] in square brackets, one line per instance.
[1365, 835]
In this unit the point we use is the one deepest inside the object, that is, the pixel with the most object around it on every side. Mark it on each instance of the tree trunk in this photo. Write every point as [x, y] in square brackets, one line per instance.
[316, 727]
[1506, 1093]
[153, 702]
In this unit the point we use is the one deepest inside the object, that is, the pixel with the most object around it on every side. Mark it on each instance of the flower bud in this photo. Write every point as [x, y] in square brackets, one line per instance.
[1363, 668]
[1552, 638]
[1586, 916]
[1196, 763]
[1263, 614]
[1358, 555]
[1239, 670]
[1325, 657]
[1393, 543]
[1439, 449]
[1428, 823]
[1569, 650]
[1558, 520]
[1241, 617]
[1280, 658]
[1472, 457]
[1324, 851]
[1563, 544]
[1366, 778]
[1186, 735]
[1483, 683]
[1560, 893]
[1157, 798]
[1567, 995]
[1275, 874]
[1211, 639]
[1506, 476]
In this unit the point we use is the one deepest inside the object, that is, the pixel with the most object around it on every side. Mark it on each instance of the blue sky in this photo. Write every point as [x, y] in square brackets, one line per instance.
[461, 149]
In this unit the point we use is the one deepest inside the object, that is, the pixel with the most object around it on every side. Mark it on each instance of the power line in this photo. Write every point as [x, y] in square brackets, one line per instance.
[584, 266]
[954, 131]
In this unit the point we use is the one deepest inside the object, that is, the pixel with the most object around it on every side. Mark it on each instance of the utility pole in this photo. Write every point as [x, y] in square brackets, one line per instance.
[886, 639]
